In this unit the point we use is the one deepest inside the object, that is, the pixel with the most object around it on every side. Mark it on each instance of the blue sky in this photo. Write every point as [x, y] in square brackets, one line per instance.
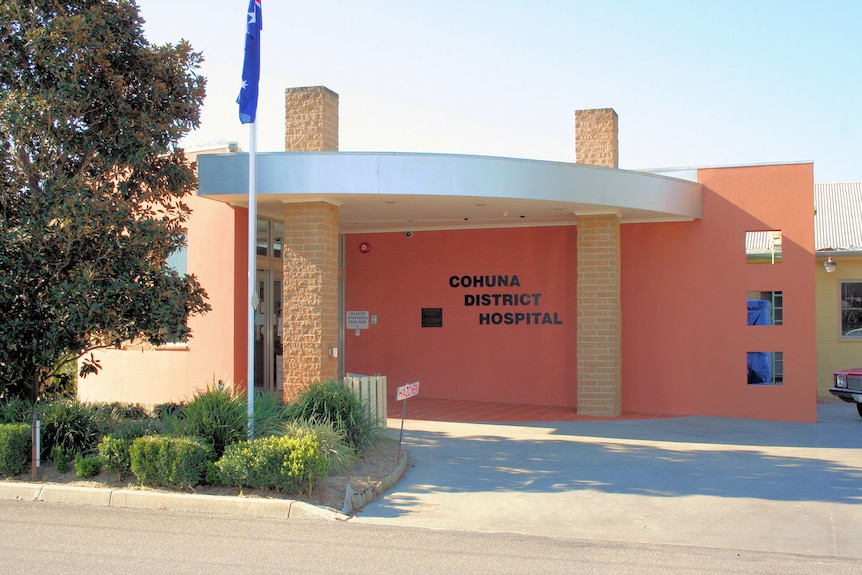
[695, 82]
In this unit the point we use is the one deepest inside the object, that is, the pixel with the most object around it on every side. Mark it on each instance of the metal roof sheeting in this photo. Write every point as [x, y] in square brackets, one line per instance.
[838, 219]
[763, 243]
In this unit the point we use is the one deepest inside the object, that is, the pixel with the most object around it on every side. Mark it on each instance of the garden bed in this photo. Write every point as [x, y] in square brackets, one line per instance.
[371, 471]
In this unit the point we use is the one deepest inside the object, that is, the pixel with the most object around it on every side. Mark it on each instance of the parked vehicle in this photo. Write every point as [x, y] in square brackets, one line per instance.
[848, 386]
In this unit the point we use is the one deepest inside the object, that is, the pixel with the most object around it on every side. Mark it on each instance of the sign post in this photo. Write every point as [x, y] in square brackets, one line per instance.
[402, 394]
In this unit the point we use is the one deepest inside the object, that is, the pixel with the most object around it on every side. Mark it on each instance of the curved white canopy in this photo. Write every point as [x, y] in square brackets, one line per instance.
[400, 191]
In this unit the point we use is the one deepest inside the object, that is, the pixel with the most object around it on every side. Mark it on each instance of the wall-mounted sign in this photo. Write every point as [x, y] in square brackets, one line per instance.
[523, 302]
[357, 320]
[432, 317]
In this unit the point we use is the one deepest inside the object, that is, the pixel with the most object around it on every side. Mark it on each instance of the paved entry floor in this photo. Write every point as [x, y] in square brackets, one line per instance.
[714, 482]
[485, 411]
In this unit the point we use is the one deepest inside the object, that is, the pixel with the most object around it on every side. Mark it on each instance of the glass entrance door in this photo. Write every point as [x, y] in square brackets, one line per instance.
[268, 327]
[268, 359]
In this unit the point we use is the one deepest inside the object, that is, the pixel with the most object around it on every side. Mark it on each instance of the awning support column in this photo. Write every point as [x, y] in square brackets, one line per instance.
[599, 316]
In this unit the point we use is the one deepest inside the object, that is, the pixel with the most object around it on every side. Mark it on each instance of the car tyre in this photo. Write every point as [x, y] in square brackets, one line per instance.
[859, 409]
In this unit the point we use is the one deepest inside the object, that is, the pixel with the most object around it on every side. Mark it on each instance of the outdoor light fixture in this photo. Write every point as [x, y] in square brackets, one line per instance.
[829, 265]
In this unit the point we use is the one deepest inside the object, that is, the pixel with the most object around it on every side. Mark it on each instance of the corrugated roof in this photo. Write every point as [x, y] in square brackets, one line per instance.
[763, 243]
[838, 219]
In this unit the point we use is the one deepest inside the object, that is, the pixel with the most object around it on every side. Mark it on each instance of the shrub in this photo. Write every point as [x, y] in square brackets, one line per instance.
[335, 403]
[15, 409]
[118, 411]
[213, 475]
[221, 417]
[74, 426]
[61, 459]
[216, 415]
[170, 461]
[15, 446]
[114, 447]
[290, 464]
[87, 466]
[337, 452]
[114, 452]
[270, 414]
[166, 410]
[133, 429]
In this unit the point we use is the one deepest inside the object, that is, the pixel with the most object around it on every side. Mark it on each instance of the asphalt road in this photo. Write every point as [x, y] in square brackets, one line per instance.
[44, 538]
[678, 495]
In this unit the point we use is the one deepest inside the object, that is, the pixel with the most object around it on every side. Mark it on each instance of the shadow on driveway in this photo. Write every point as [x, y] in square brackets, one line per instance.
[660, 458]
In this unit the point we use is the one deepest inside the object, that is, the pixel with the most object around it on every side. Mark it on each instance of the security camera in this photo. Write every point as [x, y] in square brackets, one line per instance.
[409, 234]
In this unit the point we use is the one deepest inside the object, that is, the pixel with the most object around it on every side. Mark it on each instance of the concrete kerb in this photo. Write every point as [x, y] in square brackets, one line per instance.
[148, 499]
[354, 502]
[20, 491]
[145, 499]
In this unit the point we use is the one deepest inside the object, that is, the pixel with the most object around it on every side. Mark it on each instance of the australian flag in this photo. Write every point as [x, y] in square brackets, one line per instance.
[251, 65]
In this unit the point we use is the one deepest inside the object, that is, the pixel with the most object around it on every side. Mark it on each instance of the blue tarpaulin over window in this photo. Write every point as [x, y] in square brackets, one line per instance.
[759, 367]
[759, 312]
[759, 362]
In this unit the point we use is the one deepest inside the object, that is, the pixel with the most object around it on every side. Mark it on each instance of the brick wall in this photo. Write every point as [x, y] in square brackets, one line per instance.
[310, 120]
[310, 295]
[599, 316]
[597, 138]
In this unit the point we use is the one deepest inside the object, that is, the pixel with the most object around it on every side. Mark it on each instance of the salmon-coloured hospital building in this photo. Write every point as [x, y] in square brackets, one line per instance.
[578, 285]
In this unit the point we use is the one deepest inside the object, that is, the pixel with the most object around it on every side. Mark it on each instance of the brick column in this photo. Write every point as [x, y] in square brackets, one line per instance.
[597, 138]
[311, 246]
[599, 316]
[310, 120]
[310, 295]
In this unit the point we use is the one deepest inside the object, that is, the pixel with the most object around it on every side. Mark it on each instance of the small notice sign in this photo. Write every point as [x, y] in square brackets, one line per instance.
[357, 320]
[406, 391]
[432, 317]
[401, 394]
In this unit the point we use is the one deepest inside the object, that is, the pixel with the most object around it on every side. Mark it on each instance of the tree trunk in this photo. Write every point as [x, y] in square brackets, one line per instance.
[35, 385]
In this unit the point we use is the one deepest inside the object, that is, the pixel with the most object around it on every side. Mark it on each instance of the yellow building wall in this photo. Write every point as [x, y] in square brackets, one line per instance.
[833, 352]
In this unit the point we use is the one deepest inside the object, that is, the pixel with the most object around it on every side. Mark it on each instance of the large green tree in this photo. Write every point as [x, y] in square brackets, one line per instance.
[92, 182]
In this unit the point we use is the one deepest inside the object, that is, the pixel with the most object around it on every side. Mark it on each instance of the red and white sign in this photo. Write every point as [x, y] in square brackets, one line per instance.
[406, 391]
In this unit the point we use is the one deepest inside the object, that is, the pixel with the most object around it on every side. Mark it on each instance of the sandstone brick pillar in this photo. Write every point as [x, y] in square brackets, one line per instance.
[310, 307]
[599, 317]
[310, 120]
[597, 138]
[311, 250]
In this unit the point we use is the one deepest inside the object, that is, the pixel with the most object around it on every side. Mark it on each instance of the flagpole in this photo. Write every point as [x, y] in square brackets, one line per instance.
[252, 266]
[247, 101]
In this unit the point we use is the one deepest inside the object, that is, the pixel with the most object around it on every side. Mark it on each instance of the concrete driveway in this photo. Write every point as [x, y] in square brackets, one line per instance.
[713, 482]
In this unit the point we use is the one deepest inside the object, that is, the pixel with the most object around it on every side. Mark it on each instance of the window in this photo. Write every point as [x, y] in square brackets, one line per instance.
[262, 237]
[174, 340]
[763, 247]
[851, 309]
[277, 238]
[179, 261]
[765, 368]
[270, 236]
[765, 307]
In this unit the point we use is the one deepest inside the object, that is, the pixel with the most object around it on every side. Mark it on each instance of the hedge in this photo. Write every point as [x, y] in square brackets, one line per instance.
[15, 447]
[290, 464]
[170, 461]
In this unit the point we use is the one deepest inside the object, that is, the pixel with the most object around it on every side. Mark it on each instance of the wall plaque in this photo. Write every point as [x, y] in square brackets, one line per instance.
[432, 317]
